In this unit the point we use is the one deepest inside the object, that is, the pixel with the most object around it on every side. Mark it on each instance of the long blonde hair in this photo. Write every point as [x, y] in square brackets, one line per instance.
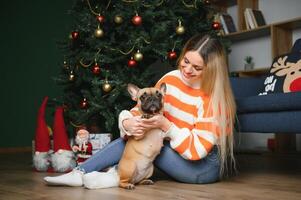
[216, 84]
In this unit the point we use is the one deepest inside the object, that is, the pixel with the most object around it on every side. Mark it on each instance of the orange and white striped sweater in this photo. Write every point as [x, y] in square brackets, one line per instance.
[191, 134]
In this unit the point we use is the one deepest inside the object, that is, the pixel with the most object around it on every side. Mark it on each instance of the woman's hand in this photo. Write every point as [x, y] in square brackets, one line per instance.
[157, 121]
[135, 126]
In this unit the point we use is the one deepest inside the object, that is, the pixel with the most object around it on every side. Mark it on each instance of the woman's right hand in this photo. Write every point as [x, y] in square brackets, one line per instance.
[135, 127]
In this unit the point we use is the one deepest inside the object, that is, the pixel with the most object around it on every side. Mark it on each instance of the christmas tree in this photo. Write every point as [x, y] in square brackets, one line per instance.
[113, 43]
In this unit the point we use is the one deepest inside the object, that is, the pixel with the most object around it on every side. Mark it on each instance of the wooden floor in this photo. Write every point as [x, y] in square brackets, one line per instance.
[261, 176]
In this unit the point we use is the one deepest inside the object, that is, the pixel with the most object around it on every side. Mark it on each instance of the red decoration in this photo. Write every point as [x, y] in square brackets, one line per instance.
[137, 20]
[216, 25]
[74, 35]
[172, 55]
[132, 63]
[100, 18]
[96, 69]
[84, 103]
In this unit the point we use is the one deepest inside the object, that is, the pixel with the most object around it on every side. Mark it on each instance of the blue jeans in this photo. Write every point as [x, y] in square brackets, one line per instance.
[170, 162]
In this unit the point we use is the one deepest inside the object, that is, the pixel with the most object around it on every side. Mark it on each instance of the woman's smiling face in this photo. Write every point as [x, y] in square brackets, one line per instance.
[191, 67]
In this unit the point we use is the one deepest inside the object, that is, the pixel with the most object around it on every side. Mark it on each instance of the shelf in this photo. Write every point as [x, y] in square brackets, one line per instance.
[249, 34]
[261, 31]
[252, 73]
[294, 23]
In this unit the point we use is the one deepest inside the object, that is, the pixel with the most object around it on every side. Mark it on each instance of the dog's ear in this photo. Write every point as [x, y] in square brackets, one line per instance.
[133, 90]
[163, 88]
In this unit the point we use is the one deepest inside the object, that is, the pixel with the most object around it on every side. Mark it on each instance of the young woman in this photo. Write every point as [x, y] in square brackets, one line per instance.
[199, 112]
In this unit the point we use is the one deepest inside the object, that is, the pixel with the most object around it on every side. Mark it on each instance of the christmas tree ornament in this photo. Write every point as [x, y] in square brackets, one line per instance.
[172, 55]
[106, 87]
[180, 29]
[74, 35]
[118, 19]
[137, 20]
[138, 56]
[132, 62]
[65, 64]
[71, 76]
[216, 25]
[98, 33]
[100, 18]
[207, 2]
[96, 69]
[83, 104]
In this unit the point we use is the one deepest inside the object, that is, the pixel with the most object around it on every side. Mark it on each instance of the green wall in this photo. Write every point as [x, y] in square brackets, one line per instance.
[29, 59]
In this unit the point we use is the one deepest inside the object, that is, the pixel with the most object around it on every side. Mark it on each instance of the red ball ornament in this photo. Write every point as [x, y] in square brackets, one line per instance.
[132, 62]
[74, 35]
[100, 18]
[84, 103]
[96, 69]
[137, 20]
[216, 25]
[172, 55]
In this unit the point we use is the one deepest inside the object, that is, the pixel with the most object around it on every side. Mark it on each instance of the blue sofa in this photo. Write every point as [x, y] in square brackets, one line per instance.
[272, 113]
[279, 111]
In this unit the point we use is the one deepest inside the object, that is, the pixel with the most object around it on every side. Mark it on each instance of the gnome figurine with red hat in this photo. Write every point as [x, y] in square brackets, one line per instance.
[63, 158]
[41, 158]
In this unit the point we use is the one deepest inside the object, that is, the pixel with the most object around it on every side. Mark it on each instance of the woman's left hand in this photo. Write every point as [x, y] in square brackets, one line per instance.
[157, 121]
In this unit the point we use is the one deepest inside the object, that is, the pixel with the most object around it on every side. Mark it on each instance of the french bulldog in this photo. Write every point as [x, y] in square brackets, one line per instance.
[136, 164]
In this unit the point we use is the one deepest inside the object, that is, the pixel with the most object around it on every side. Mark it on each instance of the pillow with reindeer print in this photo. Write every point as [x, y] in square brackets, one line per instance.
[285, 74]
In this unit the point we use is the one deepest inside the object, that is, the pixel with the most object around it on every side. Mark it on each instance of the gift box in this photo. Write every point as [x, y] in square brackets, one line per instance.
[99, 140]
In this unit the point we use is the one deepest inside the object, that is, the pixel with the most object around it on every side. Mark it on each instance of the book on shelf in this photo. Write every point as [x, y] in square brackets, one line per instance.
[246, 21]
[259, 19]
[250, 19]
[254, 18]
[227, 23]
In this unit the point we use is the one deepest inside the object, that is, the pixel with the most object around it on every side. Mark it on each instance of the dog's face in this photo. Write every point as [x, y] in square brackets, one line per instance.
[149, 100]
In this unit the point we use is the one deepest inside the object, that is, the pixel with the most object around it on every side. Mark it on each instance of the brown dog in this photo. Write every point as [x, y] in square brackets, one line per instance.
[136, 164]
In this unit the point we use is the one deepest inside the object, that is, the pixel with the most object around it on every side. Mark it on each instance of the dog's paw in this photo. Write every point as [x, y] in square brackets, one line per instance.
[127, 186]
[130, 187]
[146, 182]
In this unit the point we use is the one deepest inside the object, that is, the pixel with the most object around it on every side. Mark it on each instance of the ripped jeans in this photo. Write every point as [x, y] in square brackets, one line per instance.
[170, 162]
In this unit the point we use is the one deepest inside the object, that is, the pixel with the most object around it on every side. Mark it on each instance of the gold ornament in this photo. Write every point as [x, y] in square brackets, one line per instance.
[138, 56]
[65, 64]
[98, 32]
[71, 76]
[180, 29]
[106, 87]
[118, 19]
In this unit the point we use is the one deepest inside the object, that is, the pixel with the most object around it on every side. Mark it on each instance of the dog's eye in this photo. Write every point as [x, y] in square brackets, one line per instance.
[158, 94]
[142, 97]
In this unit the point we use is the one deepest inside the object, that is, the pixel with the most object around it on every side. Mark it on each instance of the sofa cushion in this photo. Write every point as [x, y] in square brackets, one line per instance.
[285, 74]
[270, 122]
[269, 103]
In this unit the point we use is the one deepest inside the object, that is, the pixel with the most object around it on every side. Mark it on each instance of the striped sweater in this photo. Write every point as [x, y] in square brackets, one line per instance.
[191, 134]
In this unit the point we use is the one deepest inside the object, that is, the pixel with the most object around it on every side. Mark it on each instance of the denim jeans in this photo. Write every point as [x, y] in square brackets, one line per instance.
[170, 162]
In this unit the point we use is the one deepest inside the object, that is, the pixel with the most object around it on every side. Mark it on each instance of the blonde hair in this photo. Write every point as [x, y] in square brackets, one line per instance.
[216, 84]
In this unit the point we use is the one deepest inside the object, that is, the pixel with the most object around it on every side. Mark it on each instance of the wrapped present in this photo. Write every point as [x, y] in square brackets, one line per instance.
[99, 140]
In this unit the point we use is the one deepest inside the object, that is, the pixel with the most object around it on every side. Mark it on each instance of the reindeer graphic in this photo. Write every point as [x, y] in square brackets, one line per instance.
[292, 71]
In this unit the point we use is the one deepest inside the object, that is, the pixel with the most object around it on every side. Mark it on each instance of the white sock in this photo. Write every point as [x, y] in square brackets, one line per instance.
[97, 180]
[73, 178]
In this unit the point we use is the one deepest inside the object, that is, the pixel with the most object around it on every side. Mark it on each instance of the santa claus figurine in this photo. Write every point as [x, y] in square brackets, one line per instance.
[83, 146]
